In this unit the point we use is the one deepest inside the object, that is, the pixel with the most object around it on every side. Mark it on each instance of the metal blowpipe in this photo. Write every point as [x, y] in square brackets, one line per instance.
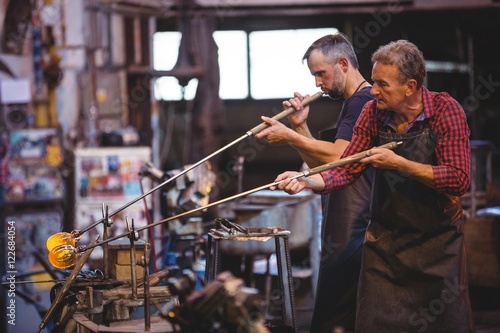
[248, 134]
[306, 173]
[348, 159]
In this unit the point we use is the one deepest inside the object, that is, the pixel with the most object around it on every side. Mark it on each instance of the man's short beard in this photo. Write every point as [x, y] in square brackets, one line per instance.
[336, 94]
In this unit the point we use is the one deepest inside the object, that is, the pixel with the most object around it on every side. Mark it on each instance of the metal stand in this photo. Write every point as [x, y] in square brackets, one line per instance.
[285, 278]
[481, 151]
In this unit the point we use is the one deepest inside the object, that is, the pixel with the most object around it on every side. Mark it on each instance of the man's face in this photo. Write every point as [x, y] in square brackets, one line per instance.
[390, 93]
[329, 77]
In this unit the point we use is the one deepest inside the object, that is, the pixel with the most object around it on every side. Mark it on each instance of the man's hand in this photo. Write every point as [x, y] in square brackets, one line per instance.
[382, 158]
[294, 186]
[299, 117]
[276, 133]
[279, 134]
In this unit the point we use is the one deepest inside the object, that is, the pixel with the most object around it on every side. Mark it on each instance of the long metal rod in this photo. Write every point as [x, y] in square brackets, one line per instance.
[147, 295]
[250, 133]
[305, 173]
[133, 258]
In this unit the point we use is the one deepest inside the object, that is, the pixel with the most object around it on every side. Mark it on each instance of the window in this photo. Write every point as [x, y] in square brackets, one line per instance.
[271, 61]
[165, 52]
[276, 68]
[233, 64]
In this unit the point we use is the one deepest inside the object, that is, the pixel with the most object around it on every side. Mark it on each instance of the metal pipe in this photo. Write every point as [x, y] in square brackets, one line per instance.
[305, 173]
[147, 296]
[105, 248]
[250, 133]
[133, 274]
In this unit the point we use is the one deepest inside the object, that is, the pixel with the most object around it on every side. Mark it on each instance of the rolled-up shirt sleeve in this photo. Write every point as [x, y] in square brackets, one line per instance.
[452, 172]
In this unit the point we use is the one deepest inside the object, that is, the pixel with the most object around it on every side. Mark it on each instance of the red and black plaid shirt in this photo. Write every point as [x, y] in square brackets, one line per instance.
[447, 121]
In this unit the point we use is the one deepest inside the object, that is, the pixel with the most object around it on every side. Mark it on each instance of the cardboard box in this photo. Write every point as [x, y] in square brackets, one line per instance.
[119, 259]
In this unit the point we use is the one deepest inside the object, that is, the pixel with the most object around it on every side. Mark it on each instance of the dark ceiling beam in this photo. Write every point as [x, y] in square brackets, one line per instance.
[230, 9]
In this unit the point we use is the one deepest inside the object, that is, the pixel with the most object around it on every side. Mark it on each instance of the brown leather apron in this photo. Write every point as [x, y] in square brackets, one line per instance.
[414, 275]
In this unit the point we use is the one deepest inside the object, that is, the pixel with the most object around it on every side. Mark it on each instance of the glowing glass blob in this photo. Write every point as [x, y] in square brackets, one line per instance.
[61, 238]
[63, 256]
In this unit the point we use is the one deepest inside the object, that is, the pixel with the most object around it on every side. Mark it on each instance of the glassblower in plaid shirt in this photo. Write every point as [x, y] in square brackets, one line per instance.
[413, 276]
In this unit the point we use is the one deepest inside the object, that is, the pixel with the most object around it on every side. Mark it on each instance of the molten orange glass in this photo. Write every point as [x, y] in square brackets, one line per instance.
[61, 238]
[63, 256]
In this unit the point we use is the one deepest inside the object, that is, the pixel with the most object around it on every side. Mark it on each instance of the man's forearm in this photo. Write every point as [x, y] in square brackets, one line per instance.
[317, 152]
[418, 171]
[303, 130]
